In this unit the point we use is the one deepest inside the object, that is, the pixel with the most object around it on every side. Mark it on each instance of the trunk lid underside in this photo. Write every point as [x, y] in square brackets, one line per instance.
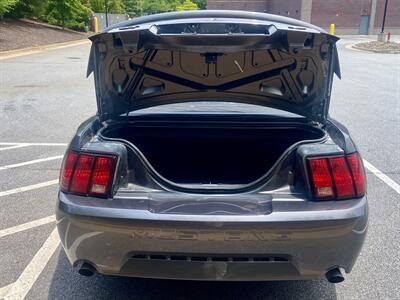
[274, 62]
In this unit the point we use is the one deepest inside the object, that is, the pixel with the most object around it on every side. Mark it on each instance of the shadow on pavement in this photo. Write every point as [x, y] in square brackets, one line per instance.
[68, 284]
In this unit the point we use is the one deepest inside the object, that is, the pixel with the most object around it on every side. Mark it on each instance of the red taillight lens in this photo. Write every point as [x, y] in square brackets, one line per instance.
[321, 179]
[337, 177]
[102, 175]
[67, 168]
[341, 177]
[357, 171]
[81, 176]
[87, 173]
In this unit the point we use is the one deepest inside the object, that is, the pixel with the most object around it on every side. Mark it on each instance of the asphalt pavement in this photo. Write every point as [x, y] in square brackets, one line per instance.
[45, 96]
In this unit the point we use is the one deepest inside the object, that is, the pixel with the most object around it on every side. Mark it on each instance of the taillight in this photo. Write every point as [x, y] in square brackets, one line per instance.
[321, 178]
[81, 176]
[338, 177]
[67, 168]
[102, 175]
[87, 174]
[341, 177]
[357, 171]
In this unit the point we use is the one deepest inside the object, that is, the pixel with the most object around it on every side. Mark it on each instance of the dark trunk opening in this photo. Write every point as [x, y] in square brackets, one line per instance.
[210, 155]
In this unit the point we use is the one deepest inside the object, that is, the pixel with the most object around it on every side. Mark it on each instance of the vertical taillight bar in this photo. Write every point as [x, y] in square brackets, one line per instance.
[344, 186]
[321, 179]
[102, 175]
[358, 173]
[81, 176]
[67, 168]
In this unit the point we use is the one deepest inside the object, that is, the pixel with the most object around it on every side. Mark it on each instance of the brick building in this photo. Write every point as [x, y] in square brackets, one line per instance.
[349, 16]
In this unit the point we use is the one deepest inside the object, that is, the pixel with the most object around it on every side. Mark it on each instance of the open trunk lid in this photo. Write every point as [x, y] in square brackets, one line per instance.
[230, 56]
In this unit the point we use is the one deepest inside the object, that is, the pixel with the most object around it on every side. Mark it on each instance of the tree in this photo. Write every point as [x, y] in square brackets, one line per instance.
[158, 6]
[6, 5]
[67, 13]
[201, 4]
[133, 7]
[113, 6]
[187, 5]
[28, 9]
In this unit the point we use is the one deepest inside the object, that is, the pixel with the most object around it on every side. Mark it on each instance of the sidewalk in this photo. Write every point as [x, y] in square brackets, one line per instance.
[366, 38]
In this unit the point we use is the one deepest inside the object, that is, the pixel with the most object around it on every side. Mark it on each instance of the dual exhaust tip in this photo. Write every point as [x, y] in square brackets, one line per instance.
[86, 269]
[333, 276]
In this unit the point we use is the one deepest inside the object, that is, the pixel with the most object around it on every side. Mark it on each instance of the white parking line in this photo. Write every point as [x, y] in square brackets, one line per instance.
[28, 187]
[26, 280]
[26, 226]
[31, 144]
[386, 179]
[4, 290]
[14, 147]
[30, 162]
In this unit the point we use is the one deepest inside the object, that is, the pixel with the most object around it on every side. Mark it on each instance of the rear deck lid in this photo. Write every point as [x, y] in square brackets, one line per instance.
[230, 56]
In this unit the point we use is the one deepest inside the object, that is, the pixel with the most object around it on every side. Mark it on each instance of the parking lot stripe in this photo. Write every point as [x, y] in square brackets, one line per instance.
[382, 176]
[28, 187]
[4, 290]
[24, 283]
[32, 144]
[14, 147]
[26, 226]
[30, 162]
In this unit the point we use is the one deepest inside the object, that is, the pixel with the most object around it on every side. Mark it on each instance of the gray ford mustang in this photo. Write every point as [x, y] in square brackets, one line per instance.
[212, 155]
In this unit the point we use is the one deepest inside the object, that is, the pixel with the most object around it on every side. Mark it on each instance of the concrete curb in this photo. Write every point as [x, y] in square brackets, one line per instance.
[376, 51]
[52, 26]
[38, 49]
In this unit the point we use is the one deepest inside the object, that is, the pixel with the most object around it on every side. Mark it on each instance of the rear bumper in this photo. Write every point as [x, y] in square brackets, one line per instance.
[282, 245]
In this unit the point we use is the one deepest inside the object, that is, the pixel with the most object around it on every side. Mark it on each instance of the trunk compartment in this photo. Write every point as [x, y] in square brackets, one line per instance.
[210, 153]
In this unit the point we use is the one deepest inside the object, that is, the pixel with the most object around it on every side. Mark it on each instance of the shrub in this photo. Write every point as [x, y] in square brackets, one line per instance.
[6, 5]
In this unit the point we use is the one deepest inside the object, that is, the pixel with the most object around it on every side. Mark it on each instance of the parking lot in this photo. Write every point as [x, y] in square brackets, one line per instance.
[45, 96]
